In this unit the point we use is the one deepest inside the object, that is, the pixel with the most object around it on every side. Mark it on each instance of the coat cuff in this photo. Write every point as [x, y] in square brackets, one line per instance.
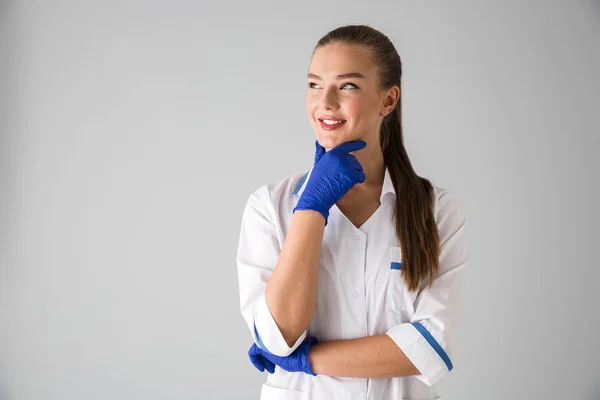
[266, 333]
[423, 350]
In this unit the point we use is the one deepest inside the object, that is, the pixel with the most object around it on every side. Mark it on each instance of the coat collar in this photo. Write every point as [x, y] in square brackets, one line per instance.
[388, 186]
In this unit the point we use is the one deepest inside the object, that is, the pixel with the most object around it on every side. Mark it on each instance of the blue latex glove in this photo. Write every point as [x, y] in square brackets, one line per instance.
[319, 151]
[295, 362]
[334, 173]
[259, 361]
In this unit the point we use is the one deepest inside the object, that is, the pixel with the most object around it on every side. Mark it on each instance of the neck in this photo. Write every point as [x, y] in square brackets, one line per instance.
[374, 168]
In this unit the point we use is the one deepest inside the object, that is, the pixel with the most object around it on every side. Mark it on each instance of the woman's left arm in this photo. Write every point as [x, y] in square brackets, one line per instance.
[368, 357]
[424, 346]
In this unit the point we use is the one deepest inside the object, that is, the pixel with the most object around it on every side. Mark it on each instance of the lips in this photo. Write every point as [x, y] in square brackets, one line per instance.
[331, 126]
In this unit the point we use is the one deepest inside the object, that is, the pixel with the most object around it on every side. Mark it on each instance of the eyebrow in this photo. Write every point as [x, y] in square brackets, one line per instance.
[343, 76]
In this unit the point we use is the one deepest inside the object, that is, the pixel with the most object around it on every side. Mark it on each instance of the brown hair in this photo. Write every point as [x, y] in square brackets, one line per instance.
[413, 214]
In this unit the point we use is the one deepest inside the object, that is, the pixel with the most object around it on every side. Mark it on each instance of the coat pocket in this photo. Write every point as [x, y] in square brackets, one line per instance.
[395, 288]
[401, 301]
[272, 393]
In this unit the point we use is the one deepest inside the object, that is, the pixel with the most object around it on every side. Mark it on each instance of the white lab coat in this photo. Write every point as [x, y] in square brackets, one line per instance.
[360, 293]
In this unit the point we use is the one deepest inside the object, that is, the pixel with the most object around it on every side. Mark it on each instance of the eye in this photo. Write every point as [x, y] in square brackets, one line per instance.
[352, 84]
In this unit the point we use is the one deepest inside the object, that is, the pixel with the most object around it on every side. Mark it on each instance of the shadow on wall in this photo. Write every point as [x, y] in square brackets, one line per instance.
[4, 394]
[595, 390]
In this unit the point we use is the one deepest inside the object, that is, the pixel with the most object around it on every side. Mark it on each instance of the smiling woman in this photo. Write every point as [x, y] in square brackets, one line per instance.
[350, 274]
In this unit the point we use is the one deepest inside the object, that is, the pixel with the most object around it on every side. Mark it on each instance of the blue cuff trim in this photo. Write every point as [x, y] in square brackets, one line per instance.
[436, 346]
[396, 265]
[260, 342]
[299, 185]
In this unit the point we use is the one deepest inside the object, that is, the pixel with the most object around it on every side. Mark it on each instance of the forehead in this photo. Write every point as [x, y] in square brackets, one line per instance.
[335, 59]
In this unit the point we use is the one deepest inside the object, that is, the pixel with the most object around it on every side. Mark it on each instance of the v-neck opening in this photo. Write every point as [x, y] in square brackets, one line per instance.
[364, 224]
[371, 218]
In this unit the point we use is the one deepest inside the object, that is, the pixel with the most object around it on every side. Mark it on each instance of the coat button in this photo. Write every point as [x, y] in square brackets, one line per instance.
[355, 294]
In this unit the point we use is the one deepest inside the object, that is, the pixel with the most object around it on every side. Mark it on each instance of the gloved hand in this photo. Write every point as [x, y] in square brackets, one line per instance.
[295, 362]
[334, 173]
[259, 361]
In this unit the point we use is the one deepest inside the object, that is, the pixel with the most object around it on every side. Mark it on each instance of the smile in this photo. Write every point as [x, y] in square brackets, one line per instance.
[331, 124]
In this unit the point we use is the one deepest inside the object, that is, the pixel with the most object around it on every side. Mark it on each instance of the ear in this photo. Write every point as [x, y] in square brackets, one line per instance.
[391, 98]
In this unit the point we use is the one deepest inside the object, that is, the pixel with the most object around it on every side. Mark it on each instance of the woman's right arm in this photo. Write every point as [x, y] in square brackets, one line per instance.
[278, 286]
[291, 292]
[286, 273]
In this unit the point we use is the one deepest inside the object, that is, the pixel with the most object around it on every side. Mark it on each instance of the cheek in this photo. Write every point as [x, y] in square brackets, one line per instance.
[310, 107]
[355, 110]
[363, 111]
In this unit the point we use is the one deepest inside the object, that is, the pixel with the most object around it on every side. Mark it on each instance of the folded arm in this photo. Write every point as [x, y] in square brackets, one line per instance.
[368, 357]
[423, 346]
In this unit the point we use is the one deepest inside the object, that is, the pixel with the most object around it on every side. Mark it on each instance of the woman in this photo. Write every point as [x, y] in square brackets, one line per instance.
[350, 274]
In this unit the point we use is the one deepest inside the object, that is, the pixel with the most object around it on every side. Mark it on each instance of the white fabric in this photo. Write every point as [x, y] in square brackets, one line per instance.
[359, 293]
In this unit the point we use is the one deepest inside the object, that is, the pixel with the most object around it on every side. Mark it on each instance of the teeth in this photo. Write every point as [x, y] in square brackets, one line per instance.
[329, 122]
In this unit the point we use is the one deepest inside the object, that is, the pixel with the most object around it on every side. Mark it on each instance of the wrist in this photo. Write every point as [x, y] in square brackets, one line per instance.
[311, 359]
[312, 213]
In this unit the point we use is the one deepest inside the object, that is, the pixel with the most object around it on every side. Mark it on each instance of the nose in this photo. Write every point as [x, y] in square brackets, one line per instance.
[329, 100]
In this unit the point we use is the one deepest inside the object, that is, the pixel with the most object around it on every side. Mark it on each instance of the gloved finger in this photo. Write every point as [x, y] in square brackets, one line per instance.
[353, 163]
[359, 176]
[256, 357]
[319, 151]
[350, 146]
[269, 366]
[261, 363]
[256, 360]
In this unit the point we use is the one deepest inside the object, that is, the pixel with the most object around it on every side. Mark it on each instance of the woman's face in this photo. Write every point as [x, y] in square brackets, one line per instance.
[355, 98]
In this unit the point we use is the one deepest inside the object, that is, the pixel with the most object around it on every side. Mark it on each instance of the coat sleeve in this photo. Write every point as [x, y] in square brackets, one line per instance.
[257, 256]
[427, 340]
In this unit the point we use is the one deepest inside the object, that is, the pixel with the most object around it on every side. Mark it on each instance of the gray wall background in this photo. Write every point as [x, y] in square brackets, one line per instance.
[133, 132]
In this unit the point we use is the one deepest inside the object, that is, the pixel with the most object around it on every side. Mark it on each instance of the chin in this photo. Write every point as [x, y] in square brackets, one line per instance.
[331, 141]
[328, 143]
